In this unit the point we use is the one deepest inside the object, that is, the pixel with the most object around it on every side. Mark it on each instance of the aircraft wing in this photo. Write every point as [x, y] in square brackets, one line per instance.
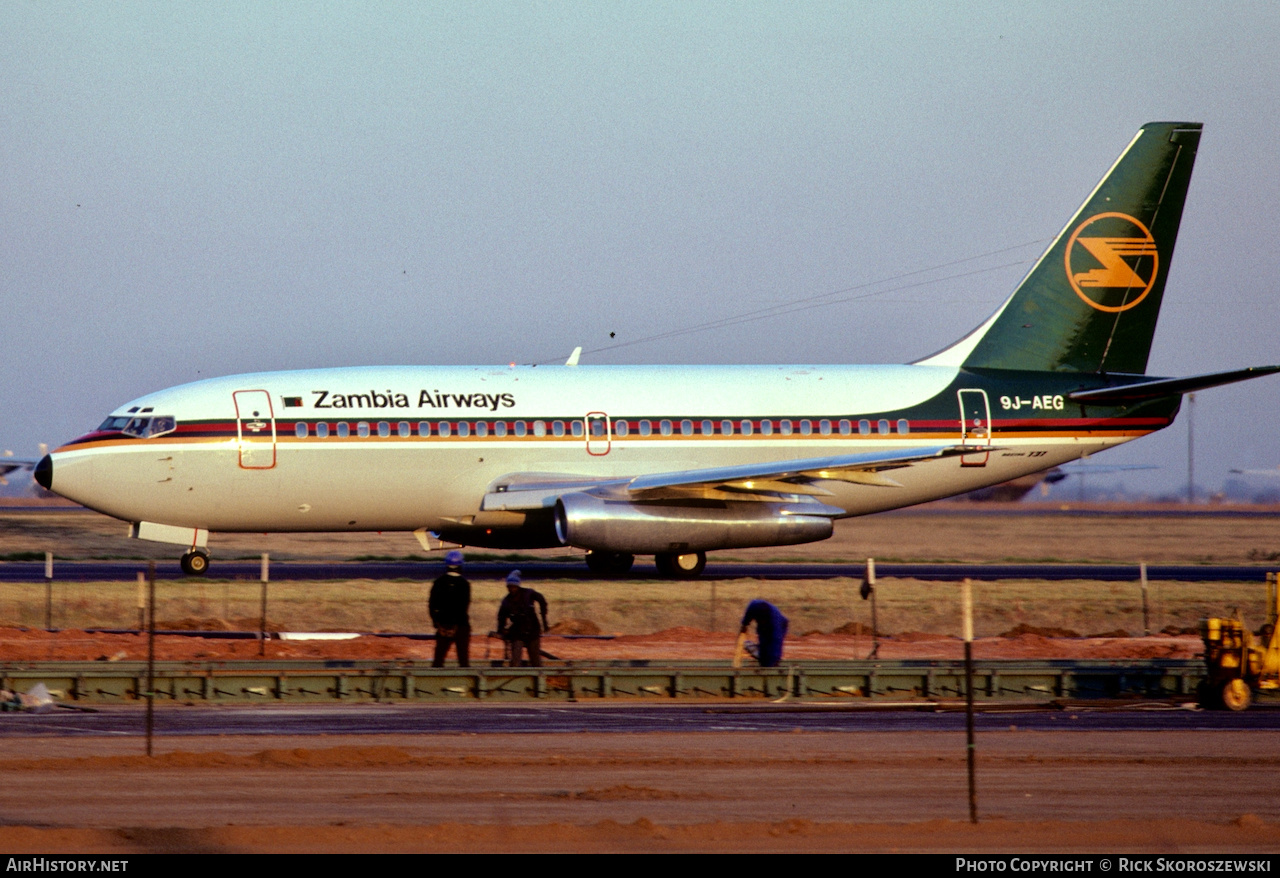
[9, 464]
[753, 481]
[1081, 468]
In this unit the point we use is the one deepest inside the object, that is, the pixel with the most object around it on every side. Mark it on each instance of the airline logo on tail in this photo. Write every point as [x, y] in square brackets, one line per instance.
[1112, 261]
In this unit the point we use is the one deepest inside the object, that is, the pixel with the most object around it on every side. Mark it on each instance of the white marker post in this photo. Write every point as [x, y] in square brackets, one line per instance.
[151, 652]
[869, 593]
[142, 601]
[48, 591]
[262, 622]
[1146, 616]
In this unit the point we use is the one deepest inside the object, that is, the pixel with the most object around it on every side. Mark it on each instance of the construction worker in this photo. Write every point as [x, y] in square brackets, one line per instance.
[518, 622]
[771, 631]
[449, 605]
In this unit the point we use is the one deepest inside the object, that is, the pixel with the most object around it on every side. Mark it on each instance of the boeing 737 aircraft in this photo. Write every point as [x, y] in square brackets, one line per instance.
[671, 461]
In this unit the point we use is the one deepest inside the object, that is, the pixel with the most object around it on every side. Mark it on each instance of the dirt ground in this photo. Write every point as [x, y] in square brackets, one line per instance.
[674, 644]
[1180, 792]
[798, 792]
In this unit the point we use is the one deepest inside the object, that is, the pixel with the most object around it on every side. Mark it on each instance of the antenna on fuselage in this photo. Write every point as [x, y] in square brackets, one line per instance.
[573, 357]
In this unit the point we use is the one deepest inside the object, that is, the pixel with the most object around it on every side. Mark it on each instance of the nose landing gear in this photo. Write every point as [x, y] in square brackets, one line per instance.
[195, 563]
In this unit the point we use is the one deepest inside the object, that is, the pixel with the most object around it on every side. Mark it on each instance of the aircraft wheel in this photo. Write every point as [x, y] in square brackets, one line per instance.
[681, 566]
[195, 563]
[1236, 694]
[607, 563]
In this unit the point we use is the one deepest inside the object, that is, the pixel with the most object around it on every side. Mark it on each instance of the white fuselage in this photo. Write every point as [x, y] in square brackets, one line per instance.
[239, 461]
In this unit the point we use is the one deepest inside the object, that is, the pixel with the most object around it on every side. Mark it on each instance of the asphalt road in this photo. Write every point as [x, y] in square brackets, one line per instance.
[579, 719]
[127, 571]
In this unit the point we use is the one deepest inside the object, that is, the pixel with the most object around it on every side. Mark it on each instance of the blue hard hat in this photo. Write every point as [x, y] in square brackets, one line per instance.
[453, 559]
[513, 578]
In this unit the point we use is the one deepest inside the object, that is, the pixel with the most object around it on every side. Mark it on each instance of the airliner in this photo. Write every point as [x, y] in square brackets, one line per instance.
[670, 461]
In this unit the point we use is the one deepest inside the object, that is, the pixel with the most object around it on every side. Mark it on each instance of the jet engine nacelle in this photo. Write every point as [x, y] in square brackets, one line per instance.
[603, 525]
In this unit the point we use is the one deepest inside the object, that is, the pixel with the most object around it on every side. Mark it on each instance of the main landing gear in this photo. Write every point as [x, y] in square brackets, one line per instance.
[609, 562]
[672, 565]
[195, 563]
[681, 566]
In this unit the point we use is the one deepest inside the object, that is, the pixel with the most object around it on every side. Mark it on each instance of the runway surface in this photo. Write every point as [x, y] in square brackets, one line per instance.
[579, 719]
[127, 571]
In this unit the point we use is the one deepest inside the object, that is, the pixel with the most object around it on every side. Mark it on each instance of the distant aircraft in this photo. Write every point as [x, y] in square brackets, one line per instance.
[671, 461]
[9, 463]
[1274, 472]
[1016, 489]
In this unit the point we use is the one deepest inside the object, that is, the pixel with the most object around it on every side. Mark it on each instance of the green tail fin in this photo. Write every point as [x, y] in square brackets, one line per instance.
[1091, 302]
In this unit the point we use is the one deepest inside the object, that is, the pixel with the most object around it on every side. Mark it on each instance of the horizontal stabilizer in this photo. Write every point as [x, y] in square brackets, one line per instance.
[1167, 386]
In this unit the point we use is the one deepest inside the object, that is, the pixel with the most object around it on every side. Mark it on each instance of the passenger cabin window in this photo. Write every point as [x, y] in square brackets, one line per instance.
[576, 426]
[766, 428]
[686, 427]
[726, 427]
[708, 428]
[805, 427]
[597, 429]
[402, 430]
[646, 428]
[745, 426]
[864, 427]
[384, 429]
[464, 429]
[845, 427]
[665, 427]
[500, 428]
[903, 427]
[557, 428]
[300, 430]
[444, 429]
[362, 429]
[621, 428]
[343, 429]
[482, 428]
[784, 427]
[521, 428]
[824, 427]
[322, 430]
[882, 426]
[539, 428]
[424, 428]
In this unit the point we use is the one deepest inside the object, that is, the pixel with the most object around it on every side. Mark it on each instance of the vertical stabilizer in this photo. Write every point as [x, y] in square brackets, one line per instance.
[1091, 302]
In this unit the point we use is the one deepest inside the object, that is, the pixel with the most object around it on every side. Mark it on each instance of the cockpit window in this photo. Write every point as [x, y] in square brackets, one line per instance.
[141, 427]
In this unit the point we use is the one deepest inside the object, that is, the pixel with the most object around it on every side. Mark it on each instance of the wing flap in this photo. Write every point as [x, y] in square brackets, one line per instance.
[842, 467]
[753, 481]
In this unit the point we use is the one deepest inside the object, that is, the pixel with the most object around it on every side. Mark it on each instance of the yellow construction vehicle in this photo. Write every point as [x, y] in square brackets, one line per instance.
[1238, 662]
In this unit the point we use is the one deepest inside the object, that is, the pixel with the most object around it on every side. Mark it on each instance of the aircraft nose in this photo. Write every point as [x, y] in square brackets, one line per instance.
[44, 472]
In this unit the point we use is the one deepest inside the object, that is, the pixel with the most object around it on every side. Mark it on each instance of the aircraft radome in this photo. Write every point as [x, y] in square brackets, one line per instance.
[671, 461]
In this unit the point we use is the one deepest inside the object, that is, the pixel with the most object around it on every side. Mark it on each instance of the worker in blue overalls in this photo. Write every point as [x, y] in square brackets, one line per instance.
[771, 631]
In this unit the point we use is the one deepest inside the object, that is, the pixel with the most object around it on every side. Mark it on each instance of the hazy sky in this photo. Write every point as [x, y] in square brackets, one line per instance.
[192, 190]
